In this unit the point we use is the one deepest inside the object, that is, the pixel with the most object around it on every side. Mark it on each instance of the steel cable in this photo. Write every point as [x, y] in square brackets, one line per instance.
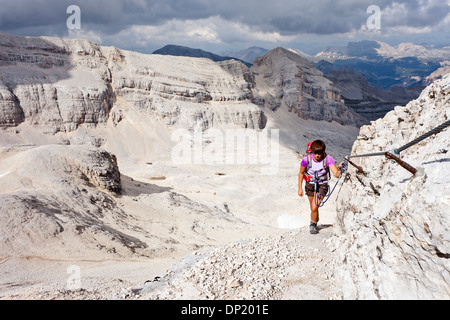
[409, 144]
[424, 136]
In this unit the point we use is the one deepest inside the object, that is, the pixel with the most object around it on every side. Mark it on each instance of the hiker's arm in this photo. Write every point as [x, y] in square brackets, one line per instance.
[336, 170]
[300, 180]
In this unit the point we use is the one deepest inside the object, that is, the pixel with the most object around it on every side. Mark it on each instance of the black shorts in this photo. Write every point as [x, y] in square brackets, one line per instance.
[309, 189]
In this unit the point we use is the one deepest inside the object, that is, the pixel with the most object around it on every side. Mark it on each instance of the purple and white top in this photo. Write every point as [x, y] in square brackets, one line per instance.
[317, 166]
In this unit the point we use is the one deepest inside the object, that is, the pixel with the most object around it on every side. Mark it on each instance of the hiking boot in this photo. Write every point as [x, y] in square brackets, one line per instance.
[313, 228]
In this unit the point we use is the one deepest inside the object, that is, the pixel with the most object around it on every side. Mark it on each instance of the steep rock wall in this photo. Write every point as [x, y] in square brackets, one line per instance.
[392, 229]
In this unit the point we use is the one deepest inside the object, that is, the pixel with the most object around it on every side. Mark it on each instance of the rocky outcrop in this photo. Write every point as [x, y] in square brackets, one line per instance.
[53, 194]
[57, 84]
[284, 79]
[392, 227]
[89, 164]
[100, 168]
[11, 114]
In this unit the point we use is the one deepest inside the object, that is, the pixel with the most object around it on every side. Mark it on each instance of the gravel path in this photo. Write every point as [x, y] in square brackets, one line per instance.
[294, 265]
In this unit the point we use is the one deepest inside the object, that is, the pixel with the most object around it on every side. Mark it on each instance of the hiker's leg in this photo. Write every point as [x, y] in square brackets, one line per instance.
[314, 216]
[323, 190]
[314, 209]
[309, 189]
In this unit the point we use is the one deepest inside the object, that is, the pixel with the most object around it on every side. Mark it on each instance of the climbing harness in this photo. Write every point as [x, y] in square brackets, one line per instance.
[308, 178]
[320, 203]
[309, 156]
[395, 154]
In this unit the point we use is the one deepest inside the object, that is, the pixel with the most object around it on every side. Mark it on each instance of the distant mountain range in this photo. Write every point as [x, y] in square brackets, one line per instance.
[382, 65]
[248, 55]
[175, 50]
[377, 50]
[373, 76]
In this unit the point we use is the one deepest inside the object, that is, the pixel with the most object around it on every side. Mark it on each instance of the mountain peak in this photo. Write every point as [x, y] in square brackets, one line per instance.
[289, 81]
[282, 54]
[176, 50]
[247, 55]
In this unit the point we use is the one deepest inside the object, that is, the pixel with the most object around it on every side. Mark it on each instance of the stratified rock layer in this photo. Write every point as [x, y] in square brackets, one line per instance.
[60, 84]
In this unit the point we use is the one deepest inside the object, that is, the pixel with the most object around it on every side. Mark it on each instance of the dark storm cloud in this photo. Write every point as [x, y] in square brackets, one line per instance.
[286, 17]
[111, 15]
[51, 14]
[422, 14]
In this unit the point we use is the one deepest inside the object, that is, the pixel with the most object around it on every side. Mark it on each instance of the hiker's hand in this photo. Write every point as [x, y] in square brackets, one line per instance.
[300, 192]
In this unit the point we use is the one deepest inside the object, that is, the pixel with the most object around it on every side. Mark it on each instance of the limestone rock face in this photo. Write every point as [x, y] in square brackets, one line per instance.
[11, 114]
[100, 168]
[60, 84]
[182, 91]
[392, 229]
[57, 84]
[283, 78]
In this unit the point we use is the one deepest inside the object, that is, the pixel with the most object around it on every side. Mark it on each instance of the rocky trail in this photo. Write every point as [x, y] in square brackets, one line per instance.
[291, 266]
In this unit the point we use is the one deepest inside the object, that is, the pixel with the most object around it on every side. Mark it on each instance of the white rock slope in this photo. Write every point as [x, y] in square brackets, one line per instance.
[392, 228]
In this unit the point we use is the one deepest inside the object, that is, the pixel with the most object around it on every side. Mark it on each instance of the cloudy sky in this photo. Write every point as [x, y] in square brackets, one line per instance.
[232, 25]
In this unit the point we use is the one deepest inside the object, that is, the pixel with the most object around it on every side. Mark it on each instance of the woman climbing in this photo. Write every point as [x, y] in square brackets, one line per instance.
[315, 170]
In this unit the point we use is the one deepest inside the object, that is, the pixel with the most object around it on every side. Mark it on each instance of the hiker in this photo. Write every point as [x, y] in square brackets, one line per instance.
[314, 168]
